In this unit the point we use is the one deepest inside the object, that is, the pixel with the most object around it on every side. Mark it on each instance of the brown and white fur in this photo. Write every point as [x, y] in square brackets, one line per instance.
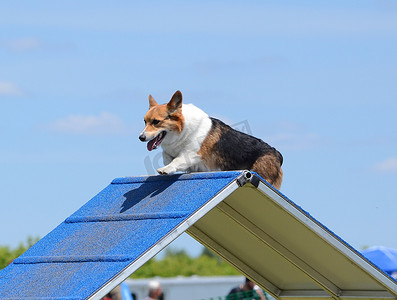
[194, 142]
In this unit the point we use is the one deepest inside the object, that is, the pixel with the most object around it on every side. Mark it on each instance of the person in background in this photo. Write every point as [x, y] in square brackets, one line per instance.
[155, 291]
[246, 291]
[114, 294]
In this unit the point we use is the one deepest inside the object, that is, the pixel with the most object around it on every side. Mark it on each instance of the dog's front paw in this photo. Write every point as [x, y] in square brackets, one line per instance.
[166, 170]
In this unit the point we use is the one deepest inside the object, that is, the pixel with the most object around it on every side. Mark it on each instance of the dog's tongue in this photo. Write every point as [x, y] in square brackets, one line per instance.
[152, 143]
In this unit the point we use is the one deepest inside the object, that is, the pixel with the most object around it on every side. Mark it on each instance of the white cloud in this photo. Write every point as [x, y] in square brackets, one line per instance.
[30, 44]
[387, 166]
[22, 44]
[105, 123]
[9, 89]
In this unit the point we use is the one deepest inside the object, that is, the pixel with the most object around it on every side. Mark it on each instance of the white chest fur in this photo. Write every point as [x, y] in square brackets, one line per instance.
[183, 147]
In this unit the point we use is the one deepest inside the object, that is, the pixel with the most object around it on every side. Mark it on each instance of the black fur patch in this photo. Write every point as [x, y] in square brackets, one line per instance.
[238, 150]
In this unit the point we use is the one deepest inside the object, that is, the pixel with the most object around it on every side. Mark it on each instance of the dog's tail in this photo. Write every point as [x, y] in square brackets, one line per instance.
[279, 157]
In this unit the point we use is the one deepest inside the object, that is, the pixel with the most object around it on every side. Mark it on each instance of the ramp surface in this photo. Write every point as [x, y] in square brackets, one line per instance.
[236, 214]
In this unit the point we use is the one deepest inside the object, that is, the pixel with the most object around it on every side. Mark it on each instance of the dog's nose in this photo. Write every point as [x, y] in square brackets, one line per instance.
[142, 137]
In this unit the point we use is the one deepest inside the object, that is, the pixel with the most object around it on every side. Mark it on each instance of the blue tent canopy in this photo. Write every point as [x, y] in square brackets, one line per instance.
[237, 215]
[385, 258]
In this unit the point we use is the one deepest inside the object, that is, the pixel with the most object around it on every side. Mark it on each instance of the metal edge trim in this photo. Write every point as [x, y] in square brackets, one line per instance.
[352, 254]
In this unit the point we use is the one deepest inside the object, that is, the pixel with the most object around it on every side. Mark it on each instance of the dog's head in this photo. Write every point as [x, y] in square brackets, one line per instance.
[161, 120]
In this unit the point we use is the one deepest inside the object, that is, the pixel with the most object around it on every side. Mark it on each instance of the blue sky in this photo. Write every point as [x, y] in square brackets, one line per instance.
[317, 80]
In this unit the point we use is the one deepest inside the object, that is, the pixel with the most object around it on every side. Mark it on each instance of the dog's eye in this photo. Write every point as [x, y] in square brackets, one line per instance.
[155, 122]
[144, 121]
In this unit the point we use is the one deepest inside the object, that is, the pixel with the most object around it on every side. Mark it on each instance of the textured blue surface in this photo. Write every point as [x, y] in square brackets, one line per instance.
[107, 234]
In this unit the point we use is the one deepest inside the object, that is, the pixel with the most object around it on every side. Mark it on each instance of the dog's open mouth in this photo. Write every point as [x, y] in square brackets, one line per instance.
[154, 143]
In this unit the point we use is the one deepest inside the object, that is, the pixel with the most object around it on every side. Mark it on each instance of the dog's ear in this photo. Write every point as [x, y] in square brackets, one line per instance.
[175, 102]
[152, 102]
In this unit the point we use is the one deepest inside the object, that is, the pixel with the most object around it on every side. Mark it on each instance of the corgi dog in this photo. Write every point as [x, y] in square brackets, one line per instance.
[194, 142]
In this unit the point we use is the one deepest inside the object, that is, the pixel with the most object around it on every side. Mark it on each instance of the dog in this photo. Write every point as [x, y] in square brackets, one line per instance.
[194, 142]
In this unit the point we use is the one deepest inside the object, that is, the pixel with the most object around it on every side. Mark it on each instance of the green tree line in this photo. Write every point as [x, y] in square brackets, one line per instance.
[179, 263]
[8, 254]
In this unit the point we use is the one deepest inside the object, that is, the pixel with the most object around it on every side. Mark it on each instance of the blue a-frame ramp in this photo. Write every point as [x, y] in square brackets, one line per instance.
[236, 214]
